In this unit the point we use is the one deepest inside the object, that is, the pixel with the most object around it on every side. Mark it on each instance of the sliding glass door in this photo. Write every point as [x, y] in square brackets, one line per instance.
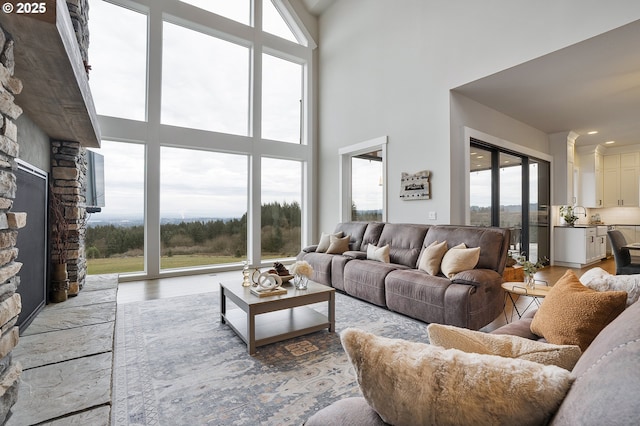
[511, 190]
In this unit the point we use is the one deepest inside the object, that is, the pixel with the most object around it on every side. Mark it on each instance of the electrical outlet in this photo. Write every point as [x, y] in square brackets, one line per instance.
[433, 216]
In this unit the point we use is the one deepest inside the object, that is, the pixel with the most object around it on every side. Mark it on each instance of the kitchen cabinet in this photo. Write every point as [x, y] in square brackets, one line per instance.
[576, 247]
[620, 180]
[591, 178]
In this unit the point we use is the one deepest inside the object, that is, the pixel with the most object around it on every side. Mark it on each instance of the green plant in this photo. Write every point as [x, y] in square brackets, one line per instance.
[529, 267]
[566, 212]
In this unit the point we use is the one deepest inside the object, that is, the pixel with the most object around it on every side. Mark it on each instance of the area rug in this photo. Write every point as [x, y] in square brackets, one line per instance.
[176, 364]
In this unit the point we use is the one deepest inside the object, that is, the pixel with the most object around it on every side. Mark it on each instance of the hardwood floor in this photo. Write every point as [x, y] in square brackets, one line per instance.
[136, 291]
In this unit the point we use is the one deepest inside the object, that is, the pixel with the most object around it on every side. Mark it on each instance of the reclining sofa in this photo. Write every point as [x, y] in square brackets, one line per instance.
[471, 298]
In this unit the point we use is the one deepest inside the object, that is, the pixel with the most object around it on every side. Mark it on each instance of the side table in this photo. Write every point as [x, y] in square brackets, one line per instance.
[514, 290]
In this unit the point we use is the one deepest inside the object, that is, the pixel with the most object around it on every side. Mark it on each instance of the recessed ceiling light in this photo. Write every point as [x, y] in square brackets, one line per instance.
[593, 132]
[609, 142]
[480, 156]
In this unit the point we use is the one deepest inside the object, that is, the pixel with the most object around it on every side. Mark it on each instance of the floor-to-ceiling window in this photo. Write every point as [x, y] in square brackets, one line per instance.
[221, 111]
[114, 240]
[511, 190]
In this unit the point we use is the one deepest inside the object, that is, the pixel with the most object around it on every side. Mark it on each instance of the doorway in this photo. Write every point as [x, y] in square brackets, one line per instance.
[511, 190]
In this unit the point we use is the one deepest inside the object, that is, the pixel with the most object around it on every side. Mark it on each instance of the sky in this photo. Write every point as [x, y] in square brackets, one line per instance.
[208, 89]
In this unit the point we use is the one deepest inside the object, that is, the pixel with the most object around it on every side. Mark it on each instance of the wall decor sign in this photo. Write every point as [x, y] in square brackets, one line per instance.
[415, 186]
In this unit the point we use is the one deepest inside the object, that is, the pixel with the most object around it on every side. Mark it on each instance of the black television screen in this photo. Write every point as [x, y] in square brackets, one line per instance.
[95, 181]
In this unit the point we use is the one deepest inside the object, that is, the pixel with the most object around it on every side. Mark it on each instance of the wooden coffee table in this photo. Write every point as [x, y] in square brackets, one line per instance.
[264, 320]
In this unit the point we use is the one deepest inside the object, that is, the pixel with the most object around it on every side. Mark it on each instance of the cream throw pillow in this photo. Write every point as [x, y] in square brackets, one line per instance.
[409, 383]
[325, 241]
[450, 337]
[459, 258]
[600, 280]
[380, 254]
[338, 245]
[432, 257]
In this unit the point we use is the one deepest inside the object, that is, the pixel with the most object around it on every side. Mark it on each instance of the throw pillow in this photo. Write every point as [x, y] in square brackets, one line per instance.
[380, 254]
[573, 314]
[422, 384]
[450, 337]
[325, 241]
[600, 280]
[459, 258]
[432, 257]
[338, 245]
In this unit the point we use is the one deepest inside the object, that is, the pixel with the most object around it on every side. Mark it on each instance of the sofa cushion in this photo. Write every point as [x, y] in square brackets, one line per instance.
[458, 259]
[449, 337]
[494, 242]
[325, 241]
[405, 242]
[356, 230]
[573, 314]
[416, 383]
[600, 280]
[353, 411]
[338, 245]
[607, 383]
[379, 254]
[432, 257]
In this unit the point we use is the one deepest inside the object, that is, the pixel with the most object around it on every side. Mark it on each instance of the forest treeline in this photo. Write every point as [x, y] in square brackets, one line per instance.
[280, 234]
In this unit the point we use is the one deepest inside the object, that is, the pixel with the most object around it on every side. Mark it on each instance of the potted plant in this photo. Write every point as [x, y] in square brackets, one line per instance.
[59, 248]
[530, 268]
[567, 214]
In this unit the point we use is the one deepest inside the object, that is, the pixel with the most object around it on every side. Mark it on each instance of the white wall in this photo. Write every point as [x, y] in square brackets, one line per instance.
[386, 67]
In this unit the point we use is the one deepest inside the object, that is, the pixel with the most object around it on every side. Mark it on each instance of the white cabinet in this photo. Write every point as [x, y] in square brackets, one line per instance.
[577, 247]
[620, 180]
[629, 232]
[591, 178]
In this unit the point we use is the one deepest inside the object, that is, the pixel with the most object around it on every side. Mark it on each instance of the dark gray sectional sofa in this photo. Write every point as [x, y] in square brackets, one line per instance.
[470, 299]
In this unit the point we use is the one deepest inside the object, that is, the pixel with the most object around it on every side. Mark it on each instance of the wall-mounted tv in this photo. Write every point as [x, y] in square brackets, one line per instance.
[95, 182]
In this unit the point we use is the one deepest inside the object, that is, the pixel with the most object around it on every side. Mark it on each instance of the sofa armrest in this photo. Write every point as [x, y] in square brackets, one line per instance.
[353, 254]
[310, 249]
[521, 327]
[478, 278]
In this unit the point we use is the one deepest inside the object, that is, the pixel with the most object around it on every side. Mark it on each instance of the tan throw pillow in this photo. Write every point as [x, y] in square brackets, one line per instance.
[573, 314]
[458, 259]
[380, 254]
[325, 241]
[419, 384]
[432, 257]
[338, 245]
[450, 337]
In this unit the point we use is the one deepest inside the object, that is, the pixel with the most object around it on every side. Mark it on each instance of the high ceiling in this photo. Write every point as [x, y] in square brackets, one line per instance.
[316, 7]
[591, 86]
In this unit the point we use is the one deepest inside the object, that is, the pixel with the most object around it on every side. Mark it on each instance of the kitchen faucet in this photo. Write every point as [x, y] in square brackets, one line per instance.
[584, 211]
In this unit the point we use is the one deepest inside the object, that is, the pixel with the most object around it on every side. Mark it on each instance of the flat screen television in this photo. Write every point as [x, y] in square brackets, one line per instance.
[95, 182]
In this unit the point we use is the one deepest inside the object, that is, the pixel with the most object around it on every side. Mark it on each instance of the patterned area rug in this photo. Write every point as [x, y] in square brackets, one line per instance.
[176, 364]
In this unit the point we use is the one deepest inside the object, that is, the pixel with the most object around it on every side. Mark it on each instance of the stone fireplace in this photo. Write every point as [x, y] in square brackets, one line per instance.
[51, 61]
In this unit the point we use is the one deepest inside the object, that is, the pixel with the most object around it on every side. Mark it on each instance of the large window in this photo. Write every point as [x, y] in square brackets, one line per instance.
[366, 187]
[115, 236]
[281, 99]
[203, 208]
[280, 211]
[238, 10]
[118, 72]
[511, 190]
[216, 103]
[205, 82]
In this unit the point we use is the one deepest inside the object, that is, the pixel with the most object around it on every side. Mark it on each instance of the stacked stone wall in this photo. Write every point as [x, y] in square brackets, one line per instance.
[10, 223]
[68, 180]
